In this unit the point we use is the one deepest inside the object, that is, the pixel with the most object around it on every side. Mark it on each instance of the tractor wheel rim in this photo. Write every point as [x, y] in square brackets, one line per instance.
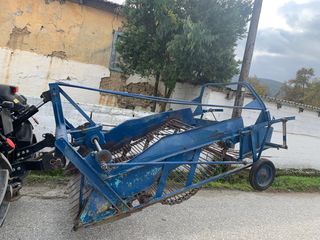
[264, 176]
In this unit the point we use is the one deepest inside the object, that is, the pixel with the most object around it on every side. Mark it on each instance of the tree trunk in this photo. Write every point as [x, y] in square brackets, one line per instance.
[155, 92]
[168, 95]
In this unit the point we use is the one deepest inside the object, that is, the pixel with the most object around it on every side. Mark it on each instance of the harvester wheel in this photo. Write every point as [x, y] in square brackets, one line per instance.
[262, 174]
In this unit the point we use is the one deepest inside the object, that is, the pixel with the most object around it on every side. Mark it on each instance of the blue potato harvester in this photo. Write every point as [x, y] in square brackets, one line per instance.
[165, 157]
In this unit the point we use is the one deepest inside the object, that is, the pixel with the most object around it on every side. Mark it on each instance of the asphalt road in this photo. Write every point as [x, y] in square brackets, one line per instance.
[208, 215]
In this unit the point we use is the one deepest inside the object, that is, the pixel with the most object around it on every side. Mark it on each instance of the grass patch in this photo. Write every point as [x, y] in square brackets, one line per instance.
[296, 182]
[51, 177]
[234, 182]
[289, 180]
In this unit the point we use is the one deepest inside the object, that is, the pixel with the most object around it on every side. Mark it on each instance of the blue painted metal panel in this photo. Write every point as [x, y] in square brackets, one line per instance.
[193, 167]
[135, 128]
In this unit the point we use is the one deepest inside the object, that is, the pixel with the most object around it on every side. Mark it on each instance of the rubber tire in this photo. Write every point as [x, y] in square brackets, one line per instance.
[254, 171]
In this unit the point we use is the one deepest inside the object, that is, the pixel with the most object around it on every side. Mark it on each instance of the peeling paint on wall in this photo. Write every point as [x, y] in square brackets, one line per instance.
[33, 72]
[19, 12]
[46, 41]
[58, 54]
[17, 36]
[68, 30]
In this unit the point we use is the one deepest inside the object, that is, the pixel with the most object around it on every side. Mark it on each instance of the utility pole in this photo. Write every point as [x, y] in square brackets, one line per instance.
[247, 58]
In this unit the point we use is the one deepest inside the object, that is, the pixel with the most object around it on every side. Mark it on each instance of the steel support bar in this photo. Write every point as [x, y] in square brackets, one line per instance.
[76, 106]
[104, 188]
[175, 163]
[193, 167]
[161, 99]
[197, 185]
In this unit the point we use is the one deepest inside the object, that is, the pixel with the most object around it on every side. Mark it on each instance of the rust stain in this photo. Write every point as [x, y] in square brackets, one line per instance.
[49, 1]
[48, 74]
[8, 65]
[58, 54]
[17, 36]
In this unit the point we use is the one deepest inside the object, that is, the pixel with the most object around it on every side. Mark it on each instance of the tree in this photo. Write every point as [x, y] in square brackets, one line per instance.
[262, 90]
[291, 93]
[302, 79]
[187, 40]
[312, 95]
[301, 89]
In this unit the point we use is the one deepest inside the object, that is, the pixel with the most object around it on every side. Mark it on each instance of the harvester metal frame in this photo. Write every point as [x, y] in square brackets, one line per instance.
[162, 157]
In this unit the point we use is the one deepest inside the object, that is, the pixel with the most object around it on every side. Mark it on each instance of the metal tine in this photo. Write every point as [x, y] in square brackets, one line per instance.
[202, 170]
[181, 171]
[136, 150]
[211, 170]
[74, 190]
[175, 176]
[147, 142]
[73, 182]
[140, 146]
[85, 194]
[154, 188]
[179, 175]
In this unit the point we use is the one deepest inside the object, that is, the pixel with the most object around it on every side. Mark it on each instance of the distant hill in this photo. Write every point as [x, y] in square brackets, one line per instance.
[272, 85]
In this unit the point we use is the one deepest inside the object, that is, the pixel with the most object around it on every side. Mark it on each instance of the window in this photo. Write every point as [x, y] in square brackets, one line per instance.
[115, 56]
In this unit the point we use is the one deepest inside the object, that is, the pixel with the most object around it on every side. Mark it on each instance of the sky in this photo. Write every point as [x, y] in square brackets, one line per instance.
[288, 39]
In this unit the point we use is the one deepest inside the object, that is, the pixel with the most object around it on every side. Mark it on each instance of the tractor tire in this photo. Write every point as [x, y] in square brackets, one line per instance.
[262, 174]
[5, 194]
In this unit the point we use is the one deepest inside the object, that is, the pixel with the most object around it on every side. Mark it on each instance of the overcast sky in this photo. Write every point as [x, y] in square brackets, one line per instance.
[288, 39]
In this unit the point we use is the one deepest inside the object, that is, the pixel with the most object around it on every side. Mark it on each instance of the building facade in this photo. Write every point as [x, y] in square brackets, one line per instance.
[44, 41]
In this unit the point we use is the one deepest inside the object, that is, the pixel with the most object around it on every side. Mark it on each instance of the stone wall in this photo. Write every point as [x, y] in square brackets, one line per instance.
[118, 82]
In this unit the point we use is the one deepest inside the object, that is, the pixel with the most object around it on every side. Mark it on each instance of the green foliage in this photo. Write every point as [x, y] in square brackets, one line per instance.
[204, 50]
[292, 93]
[149, 25]
[187, 40]
[303, 89]
[312, 95]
